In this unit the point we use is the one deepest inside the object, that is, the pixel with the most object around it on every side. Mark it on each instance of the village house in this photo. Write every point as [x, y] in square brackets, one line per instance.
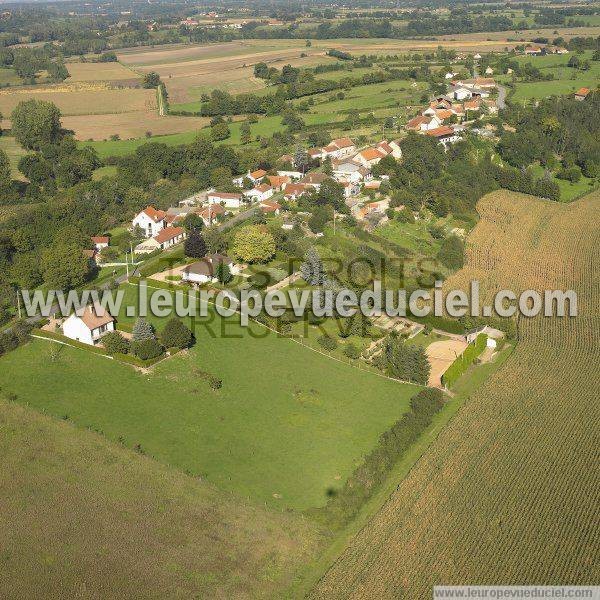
[167, 237]
[369, 157]
[150, 220]
[340, 148]
[293, 191]
[100, 241]
[314, 179]
[204, 270]
[444, 135]
[315, 154]
[293, 175]
[582, 93]
[228, 199]
[209, 213]
[259, 193]
[392, 148]
[350, 171]
[278, 182]
[88, 324]
[533, 51]
[270, 207]
[423, 123]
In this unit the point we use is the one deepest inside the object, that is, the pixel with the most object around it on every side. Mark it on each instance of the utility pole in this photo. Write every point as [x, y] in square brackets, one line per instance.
[127, 264]
[19, 303]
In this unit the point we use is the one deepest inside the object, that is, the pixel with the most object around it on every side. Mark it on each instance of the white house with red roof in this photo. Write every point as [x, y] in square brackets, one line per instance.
[259, 193]
[228, 199]
[582, 93]
[423, 123]
[150, 220]
[444, 135]
[270, 207]
[369, 157]
[167, 237]
[340, 148]
[100, 241]
[209, 213]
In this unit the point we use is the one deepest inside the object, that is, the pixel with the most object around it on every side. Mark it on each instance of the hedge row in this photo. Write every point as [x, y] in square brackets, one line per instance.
[124, 358]
[464, 361]
[343, 505]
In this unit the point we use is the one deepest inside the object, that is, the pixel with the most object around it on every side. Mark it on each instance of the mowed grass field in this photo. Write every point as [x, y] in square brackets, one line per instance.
[566, 80]
[288, 425]
[509, 491]
[89, 518]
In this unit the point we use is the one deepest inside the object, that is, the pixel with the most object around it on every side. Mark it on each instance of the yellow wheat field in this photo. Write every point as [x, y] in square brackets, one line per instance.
[509, 492]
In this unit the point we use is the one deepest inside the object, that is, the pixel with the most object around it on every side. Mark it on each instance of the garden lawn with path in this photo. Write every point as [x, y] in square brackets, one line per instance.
[287, 426]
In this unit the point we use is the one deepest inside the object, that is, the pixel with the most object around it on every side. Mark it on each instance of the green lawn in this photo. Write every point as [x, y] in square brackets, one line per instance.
[287, 425]
[14, 152]
[9, 77]
[568, 191]
[265, 127]
[566, 80]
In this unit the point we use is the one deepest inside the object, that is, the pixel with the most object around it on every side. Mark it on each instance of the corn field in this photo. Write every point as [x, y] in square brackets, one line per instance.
[509, 493]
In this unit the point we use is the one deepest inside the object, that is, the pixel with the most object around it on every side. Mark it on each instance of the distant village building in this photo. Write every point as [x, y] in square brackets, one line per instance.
[582, 93]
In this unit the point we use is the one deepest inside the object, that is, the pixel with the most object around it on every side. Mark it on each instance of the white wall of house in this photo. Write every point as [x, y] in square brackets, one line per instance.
[229, 202]
[75, 329]
[149, 226]
[147, 246]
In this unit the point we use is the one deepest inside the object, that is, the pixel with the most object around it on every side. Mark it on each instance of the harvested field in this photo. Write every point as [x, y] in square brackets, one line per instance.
[441, 355]
[233, 74]
[82, 99]
[91, 519]
[130, 125]
[510, 490]
[91, 71]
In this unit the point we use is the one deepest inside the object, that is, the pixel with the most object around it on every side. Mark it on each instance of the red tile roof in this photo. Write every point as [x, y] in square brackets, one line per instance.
[155, 215]
[100, 239]
[168, 233]
[442, 131]
[582, 91]
[259, 174]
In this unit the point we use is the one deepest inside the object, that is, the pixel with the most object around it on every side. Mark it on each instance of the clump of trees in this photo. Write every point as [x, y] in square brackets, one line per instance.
[403, 361]
[253, 244]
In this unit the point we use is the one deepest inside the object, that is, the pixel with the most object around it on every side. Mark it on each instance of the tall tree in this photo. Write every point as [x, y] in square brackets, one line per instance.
[36, 123]
[312, 268]
[194, 245]
[64, 266]
[142, 330]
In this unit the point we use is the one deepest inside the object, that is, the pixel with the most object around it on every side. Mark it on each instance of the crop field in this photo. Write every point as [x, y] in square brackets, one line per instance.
[509, 491]
[133, 124]
[329, 413]
[92, 71]
[93, 515]
[189, 71]
[82, 99]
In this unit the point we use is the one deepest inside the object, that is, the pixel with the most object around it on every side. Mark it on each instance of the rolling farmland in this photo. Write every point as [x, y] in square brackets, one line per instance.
[509, 491]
